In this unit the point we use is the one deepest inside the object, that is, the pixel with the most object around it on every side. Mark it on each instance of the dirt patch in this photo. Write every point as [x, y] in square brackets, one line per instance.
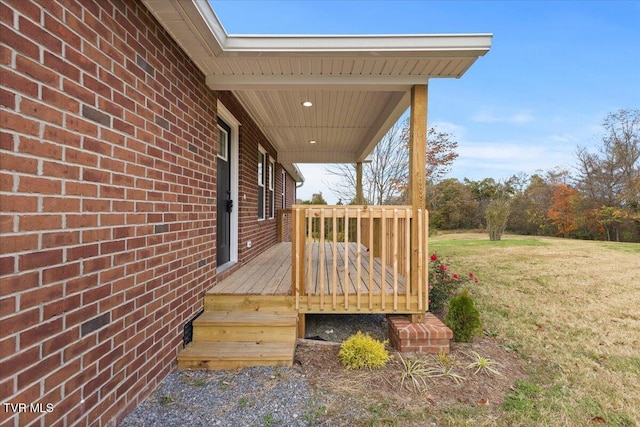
[453, 379]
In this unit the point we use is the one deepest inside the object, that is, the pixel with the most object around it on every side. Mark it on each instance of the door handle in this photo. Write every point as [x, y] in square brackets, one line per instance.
[229, 206]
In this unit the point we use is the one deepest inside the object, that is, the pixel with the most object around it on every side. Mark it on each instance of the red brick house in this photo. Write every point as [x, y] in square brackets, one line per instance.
[145, 156]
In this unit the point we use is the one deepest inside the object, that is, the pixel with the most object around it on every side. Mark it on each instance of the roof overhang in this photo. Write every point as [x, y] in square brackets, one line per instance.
[359, 84]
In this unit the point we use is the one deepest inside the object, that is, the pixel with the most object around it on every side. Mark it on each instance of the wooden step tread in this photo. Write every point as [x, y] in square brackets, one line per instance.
[247, 318]
[237, 350]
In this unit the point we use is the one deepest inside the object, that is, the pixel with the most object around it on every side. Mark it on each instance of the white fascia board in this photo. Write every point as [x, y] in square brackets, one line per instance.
[200, 17]
[294, 171]
[210, 18]
[364, 45]
[193, 24]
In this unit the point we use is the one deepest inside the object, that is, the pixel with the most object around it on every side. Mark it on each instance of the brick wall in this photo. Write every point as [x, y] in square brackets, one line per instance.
[107, 192]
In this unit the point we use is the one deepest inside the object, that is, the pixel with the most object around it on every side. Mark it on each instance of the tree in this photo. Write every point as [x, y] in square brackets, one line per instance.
[385, 177]
[610, 176]
[610, 219]
[561, 211]
[487, 190]
[497, 215]
[451, 205]
[316, 199]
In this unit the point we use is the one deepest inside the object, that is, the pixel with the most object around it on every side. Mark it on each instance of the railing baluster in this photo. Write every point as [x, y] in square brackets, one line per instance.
[345, 284]
[334, 275]
[321, 262]
[358, 257]
[310, 256]
[407, 257]
[425, 256]
[395, 259]
[371, 264]
[383, 256]
[295, 257]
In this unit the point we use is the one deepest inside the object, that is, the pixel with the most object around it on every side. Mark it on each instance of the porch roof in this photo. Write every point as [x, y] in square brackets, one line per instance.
[359, 84]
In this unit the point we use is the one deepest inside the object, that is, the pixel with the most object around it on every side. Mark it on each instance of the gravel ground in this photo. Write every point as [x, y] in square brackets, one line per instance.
[259, 396]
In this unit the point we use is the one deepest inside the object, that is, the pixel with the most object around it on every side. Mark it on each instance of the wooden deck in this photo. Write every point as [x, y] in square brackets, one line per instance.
[270, 273]
[267, 274]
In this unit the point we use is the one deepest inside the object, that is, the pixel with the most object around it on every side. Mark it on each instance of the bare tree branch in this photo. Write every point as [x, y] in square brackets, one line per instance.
[385, 178]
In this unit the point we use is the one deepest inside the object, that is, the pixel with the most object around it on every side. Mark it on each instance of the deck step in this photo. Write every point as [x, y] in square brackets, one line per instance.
[230, 302]
[247, 326]
[235, 354]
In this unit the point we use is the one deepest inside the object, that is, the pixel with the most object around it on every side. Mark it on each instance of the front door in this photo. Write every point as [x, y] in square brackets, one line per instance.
[225, 203]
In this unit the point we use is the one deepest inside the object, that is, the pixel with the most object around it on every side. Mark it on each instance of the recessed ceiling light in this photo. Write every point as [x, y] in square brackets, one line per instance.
[307, 104]
[313, 141]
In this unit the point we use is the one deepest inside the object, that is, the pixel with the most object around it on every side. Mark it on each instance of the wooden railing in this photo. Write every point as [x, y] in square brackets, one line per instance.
[358, 259]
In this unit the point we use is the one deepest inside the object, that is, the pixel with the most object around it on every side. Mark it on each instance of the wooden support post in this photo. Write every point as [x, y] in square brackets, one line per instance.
[417, 173]
[301, 325]
[359, 194]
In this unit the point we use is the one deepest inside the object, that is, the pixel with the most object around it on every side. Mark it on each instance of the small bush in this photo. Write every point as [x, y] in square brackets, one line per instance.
[444, 284]
[463, 318]
[362, 351]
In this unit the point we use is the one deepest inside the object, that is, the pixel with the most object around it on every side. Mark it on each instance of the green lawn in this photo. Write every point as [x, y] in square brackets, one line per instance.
[571, 309]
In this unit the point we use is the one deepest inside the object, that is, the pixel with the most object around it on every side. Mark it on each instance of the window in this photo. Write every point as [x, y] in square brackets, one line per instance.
[262, 159]
[272, 179]
[223, 141]
[284, 189]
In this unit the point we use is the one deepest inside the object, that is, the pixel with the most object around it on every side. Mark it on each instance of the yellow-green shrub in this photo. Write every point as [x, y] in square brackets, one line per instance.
[362, 351]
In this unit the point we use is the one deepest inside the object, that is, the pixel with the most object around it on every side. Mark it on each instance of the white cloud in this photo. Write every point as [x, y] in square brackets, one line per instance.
[456, 130]
[524, 116]
[498, 151]
[499, 160]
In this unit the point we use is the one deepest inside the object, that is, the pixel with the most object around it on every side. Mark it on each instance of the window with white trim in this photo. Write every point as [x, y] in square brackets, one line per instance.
[262, 160]
[223, 142]
[272, 179]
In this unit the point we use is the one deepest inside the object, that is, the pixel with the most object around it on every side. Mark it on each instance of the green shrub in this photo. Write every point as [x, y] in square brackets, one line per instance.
[362, 351]
[463, 318]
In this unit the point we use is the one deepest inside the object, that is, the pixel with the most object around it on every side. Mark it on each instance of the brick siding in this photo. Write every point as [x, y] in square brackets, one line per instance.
[107, 196]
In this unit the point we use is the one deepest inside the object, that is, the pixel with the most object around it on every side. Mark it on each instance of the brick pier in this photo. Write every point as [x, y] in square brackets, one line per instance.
[431, 336]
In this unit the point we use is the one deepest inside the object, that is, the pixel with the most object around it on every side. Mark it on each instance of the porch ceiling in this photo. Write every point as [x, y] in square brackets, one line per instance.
[359, 85]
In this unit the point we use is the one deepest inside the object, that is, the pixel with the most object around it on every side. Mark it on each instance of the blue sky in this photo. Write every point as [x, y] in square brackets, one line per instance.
[554, 71]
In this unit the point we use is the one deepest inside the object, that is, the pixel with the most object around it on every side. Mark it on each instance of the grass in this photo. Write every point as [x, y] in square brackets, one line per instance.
[569, 310]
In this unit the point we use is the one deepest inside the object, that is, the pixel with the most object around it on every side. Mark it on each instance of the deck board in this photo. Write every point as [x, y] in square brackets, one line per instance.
[270, 274]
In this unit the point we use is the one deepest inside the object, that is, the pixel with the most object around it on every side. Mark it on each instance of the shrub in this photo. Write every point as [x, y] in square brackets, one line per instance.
[443, 284]
[463, 318]
[362, 351]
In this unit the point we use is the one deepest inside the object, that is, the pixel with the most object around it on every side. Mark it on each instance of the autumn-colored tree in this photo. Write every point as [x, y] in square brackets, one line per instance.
[610, 218]
[561, 211]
